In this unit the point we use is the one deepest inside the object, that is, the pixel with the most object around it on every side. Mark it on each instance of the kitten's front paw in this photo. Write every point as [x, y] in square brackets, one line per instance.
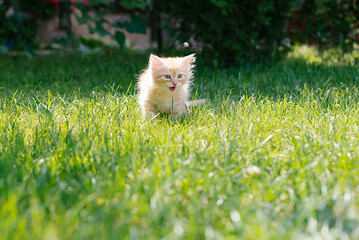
[195, 103]
[149, 114]
[176, 116]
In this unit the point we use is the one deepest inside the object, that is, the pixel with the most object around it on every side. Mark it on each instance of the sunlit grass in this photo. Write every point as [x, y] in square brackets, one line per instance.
[331, 56]
[273, 155]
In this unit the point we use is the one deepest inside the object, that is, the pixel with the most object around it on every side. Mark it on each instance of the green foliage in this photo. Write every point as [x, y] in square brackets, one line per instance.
[229, 31]
[40, 9]
[326, 23]
[77, 161]
[100, 8]
[120, 38]
[137, 25]
[18, 23]
[133, 4]
[92, 43]
[19, 19]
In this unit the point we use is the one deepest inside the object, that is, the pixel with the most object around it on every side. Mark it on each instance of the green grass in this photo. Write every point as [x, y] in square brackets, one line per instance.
[77, 161]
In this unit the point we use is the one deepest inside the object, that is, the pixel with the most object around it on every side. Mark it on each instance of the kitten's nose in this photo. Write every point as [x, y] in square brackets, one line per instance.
[174, 84]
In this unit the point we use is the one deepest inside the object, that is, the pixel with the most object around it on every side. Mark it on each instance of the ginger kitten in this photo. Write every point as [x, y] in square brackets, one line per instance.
[164, 85]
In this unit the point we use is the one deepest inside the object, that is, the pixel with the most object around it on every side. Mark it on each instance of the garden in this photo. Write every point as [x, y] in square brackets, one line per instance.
[272, 154]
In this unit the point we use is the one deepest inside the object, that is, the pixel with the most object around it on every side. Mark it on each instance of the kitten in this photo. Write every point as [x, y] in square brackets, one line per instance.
[164, 85]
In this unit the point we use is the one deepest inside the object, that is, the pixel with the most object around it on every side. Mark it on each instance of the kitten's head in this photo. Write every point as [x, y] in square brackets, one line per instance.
[171, 73]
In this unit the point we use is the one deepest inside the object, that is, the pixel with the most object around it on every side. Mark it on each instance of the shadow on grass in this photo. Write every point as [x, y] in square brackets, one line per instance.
[68, 74]
[287, 78]
[85, 75]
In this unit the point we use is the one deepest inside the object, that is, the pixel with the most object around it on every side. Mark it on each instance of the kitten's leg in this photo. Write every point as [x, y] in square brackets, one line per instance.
[179, 111]
[148, 111]
[195, 103]
[175, 116]
[150, 114]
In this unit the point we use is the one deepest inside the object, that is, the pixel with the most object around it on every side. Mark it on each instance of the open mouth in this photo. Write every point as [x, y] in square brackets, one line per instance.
[172, 89]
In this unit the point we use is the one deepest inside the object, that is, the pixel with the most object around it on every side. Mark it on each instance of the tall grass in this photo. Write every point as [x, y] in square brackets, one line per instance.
[273, 155]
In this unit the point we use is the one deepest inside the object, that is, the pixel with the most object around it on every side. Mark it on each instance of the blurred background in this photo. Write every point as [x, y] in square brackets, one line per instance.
[226, 32]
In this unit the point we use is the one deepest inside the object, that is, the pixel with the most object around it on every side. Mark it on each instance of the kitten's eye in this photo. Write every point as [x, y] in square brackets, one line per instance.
[180, 76]
[167, 76]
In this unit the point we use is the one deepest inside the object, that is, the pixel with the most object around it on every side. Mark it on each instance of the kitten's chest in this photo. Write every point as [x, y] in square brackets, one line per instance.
[168, 104]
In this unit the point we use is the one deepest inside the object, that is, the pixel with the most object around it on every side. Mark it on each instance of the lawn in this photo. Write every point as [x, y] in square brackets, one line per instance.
[273, 155]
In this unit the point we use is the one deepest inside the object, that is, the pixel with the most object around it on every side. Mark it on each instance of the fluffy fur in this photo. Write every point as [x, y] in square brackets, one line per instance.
[164, 85]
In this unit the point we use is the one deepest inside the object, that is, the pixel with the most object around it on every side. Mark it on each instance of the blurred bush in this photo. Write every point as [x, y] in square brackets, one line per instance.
[101, 8]
[229, 31]
[19, 20]
[325, 23]
[18, 23]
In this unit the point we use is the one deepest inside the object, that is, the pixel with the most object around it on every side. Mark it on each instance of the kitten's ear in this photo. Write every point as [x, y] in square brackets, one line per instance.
[189, 60]
[155, 62]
